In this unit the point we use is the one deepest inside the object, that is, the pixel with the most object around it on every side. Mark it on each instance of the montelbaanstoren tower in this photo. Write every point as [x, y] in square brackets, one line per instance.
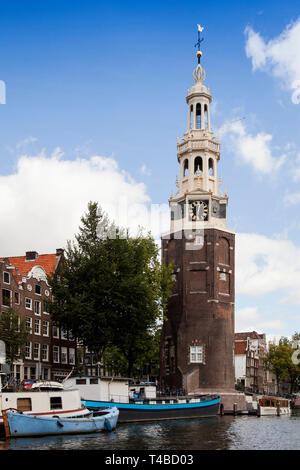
[197, 345]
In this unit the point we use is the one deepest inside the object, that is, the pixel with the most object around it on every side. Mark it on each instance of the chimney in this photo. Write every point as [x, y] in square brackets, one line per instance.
[59, 251]
[31, 255]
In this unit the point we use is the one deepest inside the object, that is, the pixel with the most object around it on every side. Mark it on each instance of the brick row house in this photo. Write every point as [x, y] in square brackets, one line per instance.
[50, 351]
[250, 374]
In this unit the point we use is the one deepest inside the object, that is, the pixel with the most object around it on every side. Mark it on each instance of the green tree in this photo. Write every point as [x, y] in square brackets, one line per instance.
[14, 333]
[279, 361]
[111, 289]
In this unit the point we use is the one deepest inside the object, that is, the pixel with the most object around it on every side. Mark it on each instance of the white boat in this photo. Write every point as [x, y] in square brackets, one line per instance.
[45, 399]
[273, 406]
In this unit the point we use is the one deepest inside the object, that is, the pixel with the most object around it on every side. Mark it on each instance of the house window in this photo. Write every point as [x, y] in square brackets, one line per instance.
[28, 303]
[28, 350]
[64, 356]
[37, 327]
[55, 354]
[37, 289]
[6, 277]
[63, 334]
[37, 307]
[55, 332]
[45, 328]
[32, 372]
[71, 356]
[29, 323]
[196, 354]
[6, 297]
[46, 307]
[36, 351]
[45, 352]
[17, 298]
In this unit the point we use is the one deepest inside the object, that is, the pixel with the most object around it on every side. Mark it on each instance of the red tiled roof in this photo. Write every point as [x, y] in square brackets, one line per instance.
[47, 262]
[240, 347]
[244, 336]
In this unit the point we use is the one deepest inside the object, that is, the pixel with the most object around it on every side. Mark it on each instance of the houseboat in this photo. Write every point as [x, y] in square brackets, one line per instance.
[44, 399]
[139, 402]
[268, 406]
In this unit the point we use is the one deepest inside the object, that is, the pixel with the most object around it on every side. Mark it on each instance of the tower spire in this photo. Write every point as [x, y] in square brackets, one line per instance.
[198, 43]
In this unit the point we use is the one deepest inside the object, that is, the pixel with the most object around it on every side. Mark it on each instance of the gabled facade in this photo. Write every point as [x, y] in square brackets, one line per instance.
[250, 350]
[50, 352]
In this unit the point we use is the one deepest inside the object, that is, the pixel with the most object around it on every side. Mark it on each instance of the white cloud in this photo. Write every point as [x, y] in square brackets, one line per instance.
[250, 319]
[42, 202]
[265, 265]
[254, 150]
[279, 56]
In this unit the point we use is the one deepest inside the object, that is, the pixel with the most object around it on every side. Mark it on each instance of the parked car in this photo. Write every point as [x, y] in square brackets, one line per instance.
[27, 383]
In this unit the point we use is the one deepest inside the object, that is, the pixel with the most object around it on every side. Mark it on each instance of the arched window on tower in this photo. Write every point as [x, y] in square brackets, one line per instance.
[186, 168]
[198, 116]
[211, 169]
[198, 165]
[205, 117]
[191, 117]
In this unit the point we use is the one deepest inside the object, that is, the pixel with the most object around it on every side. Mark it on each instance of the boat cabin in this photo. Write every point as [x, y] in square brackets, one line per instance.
[142, 390]
[100, 388]
[273, 402]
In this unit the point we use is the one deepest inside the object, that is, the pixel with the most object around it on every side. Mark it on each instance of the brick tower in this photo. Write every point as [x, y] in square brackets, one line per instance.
[197, 344]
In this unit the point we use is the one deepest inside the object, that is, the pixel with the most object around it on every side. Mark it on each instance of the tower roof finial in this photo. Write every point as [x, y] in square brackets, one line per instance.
[198, 43]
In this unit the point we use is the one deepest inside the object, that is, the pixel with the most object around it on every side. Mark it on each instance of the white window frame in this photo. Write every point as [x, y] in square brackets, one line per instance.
[71, 355]
[45, 325]
[37, 331]
[28, 348]
[64, 355]
[56, 354]
[196, 354]
[36, 293]
[45, 349]
[37, 302]
[55, 331]
[36, 357]
[5, 282]
[30, 301]
[10, 300]
[29, 323]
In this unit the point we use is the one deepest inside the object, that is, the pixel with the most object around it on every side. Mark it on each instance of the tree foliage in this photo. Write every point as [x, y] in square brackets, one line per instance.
[14, 333]
[279, 360]
[112, 288]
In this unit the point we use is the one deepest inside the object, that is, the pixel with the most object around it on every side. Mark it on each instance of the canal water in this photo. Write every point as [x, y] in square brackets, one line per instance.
[220, 433]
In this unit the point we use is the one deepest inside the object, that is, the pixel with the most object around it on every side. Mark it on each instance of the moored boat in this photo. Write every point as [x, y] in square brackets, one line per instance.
[140, 403]
[44, 399]
[162, 409]
[268, 406]
[18, 424]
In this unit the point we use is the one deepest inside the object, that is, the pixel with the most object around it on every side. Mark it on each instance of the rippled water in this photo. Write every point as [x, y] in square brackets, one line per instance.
[226, 433]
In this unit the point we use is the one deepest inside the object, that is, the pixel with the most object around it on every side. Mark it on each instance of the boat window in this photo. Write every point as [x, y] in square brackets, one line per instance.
[93, 381]
[55, 403]
[24, 404]
[80, 381]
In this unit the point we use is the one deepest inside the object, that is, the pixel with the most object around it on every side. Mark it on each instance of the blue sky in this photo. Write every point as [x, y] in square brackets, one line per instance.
[92, 78]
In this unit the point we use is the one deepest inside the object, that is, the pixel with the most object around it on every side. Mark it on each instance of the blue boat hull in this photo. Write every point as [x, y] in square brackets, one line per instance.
[134, 412]
[21, 425]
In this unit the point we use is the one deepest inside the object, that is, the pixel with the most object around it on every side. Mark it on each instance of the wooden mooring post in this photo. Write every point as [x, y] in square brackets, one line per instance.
[6, 424]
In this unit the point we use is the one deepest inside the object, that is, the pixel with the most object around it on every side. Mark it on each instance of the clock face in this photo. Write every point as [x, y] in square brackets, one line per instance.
[198, 210]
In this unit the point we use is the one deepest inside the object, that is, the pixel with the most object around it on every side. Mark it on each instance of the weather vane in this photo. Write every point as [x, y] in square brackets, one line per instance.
[199, 53]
